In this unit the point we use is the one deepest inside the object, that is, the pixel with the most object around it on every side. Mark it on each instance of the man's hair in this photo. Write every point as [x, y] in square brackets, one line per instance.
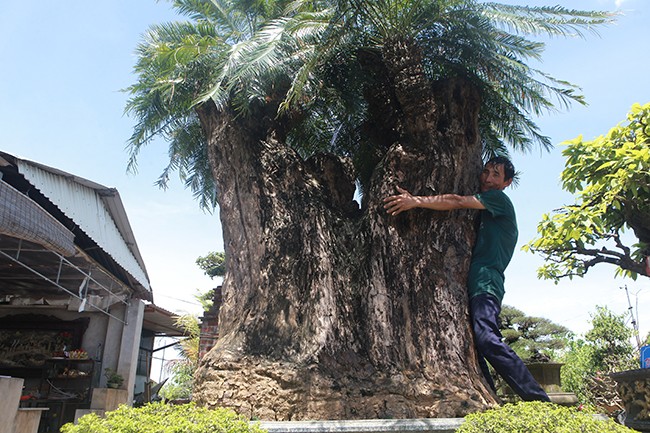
[508, 167]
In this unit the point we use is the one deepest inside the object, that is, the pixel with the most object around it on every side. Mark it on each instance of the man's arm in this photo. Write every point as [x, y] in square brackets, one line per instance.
[404, 201]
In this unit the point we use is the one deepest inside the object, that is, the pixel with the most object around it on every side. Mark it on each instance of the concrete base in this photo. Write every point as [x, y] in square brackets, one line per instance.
[563, 398]
[108, 399]
[419, 425]
[104, 400]
[640, 426]
[12, 418]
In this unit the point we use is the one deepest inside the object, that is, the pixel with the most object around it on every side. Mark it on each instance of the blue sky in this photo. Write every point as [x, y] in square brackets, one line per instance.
[612, 72]
[64, 64]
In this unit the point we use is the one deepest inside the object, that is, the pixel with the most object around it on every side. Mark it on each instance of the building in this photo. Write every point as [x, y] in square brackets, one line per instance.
[75, 297]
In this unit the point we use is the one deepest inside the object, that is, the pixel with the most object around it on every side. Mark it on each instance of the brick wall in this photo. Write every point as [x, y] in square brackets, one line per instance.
[210, 325]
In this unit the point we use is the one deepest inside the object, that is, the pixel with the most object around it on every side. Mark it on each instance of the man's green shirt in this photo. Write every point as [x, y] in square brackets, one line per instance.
[495, 244]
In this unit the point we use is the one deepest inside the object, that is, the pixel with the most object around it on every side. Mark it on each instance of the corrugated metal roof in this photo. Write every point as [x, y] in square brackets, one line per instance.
[161, 321]
[96, 209]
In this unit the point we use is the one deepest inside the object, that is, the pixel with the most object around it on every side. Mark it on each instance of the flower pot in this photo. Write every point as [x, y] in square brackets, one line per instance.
[547, 374]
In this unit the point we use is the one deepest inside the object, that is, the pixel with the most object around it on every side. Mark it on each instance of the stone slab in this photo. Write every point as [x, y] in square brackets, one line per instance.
[417, 425]
[27, 419]
[11, 389]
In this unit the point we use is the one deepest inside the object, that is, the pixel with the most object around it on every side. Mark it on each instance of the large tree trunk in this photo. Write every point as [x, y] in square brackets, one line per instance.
[333, 312]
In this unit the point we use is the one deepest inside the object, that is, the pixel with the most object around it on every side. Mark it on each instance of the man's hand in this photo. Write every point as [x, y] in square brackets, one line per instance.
[396, 204]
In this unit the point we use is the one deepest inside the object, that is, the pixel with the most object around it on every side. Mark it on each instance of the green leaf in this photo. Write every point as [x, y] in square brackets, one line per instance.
[609, 178]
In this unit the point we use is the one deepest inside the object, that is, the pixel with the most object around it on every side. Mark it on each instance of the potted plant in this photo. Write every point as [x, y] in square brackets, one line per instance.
[113, 378]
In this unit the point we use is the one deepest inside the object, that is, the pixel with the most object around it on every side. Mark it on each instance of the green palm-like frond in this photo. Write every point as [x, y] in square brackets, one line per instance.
[301, 56]
[174, 59]
[245, 62]
[474, 45]
[233, 23]
[283, 49]
[546, 20]
[188, 347]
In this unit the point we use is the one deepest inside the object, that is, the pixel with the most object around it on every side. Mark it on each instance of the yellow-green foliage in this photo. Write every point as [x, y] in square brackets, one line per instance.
[163, 418]
[610, 177]
[537, 417]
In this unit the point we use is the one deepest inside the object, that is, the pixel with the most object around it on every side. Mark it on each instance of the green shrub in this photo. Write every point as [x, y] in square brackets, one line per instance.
[163, 418]
[537, 417]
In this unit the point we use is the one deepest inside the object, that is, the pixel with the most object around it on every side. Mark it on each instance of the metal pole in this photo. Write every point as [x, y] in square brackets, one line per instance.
[635, 325]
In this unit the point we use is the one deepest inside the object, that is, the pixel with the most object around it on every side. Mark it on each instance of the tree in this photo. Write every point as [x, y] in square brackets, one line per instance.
[213, 265]
[275, 110]
[606, 348]
[532, 337]
[577, 368]
[610, 338]
[610, 176]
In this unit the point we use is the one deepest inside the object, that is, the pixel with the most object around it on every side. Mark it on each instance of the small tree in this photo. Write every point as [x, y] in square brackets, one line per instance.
[213, 265]
[610, 176]
[605, 349]
[610, 338]
[578, 365]
[532, 338]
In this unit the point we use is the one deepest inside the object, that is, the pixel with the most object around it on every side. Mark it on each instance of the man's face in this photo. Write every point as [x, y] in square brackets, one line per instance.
[493, 177]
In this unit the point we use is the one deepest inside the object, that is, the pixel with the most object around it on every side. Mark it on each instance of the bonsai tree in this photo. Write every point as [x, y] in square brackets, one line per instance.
[534, 339]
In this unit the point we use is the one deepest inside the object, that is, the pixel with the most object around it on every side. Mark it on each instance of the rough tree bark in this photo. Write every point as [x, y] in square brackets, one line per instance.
[334, 312]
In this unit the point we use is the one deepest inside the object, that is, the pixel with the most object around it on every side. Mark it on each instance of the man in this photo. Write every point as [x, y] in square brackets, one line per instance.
[495, 243]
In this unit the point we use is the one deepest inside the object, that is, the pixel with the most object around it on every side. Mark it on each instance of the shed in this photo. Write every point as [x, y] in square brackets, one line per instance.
[74, 291]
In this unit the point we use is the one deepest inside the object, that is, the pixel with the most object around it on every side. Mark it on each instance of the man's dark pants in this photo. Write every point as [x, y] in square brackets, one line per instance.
[484, 310]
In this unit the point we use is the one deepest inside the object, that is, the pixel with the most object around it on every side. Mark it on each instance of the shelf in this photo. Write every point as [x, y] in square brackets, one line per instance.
[82, 360]
[69, 376]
